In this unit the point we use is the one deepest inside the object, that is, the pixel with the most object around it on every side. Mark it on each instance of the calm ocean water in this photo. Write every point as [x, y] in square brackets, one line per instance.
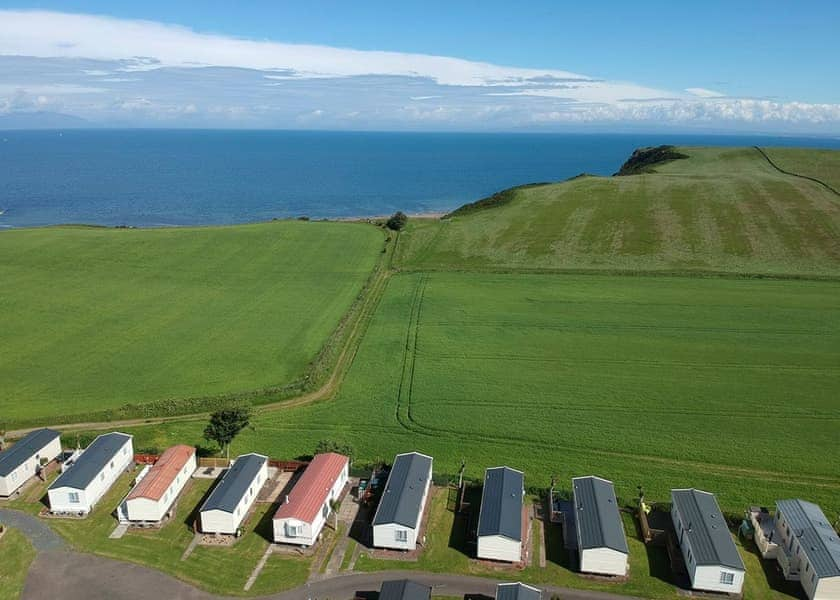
[150, 178]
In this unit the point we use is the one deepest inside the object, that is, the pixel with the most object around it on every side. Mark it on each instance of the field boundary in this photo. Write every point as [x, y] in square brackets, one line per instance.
[355, 322]
[792, 174]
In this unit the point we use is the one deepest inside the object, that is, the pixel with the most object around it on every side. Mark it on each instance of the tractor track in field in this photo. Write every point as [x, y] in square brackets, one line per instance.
[406, 387]
[406, 419]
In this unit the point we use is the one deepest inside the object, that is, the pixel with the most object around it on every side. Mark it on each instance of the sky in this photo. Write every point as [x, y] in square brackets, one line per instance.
[726, 67]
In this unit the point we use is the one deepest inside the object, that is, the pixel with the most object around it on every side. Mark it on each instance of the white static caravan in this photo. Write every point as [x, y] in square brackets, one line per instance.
[601, 541]
[500, 533]
[232, 498]
[808, 548]
[23, 460]
[301, 517]
[398, 517]
[80, 487]
[152, 497]
[710, 555]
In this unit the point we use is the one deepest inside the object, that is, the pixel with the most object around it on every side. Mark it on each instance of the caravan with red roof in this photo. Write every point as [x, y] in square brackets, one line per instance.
[304, 511]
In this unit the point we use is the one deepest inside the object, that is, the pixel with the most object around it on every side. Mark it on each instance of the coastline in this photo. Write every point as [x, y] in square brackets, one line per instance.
[303, 218]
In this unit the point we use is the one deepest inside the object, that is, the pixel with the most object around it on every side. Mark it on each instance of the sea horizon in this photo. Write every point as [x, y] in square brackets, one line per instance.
[148, 178]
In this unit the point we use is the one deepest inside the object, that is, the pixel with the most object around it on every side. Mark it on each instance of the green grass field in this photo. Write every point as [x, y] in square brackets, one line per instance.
[98, 318]
[819, 164]
[17, 554]
[720, 210]
[725, 384]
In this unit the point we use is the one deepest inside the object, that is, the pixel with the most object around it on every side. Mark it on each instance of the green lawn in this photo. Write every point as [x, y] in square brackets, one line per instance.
[17, 554]
[819, 164]
[725, 384]
[221, 570]
[99, 318]
[723, 209]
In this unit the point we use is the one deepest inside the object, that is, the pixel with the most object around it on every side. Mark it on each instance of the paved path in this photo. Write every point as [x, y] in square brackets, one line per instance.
[42, 537]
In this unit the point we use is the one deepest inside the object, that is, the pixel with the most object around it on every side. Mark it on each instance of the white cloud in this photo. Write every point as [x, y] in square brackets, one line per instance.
[146, 72]
[50, 34]
[704, 93]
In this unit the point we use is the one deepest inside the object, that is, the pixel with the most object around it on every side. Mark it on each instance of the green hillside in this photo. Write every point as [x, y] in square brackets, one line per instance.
[719, 210]
[96, 318]
[819, 164]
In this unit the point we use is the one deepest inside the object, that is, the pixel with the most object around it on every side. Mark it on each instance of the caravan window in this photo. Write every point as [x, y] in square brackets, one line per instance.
[401, 535]
[727, 578]
[73, 497]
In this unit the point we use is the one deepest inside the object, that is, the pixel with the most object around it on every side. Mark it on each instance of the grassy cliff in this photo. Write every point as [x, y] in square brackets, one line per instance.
[722, 209]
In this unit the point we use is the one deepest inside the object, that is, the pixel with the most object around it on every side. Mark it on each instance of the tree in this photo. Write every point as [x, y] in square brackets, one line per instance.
[397, 221]
[325, 446]
[225, 425]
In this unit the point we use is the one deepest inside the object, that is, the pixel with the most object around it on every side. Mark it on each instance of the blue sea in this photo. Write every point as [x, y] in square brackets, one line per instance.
[157, 178]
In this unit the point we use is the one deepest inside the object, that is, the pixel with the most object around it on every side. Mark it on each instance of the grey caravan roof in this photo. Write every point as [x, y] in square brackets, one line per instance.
[92, 461]
[706, 529]
[517, 591]
[234, 483]
[403, 496]
[598, 521]
[24, 449]
[817, 537]
[501, 503]
[404, 589]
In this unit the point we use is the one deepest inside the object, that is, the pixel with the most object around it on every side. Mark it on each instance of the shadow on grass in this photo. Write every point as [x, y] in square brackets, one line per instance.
[659, 563]
[192, 517]
[462, 536]
[555, 549]
[265, 526]
[773, 573]
[360, 529]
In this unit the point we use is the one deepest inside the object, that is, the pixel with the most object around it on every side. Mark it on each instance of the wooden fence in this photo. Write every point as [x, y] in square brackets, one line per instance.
[146, 459]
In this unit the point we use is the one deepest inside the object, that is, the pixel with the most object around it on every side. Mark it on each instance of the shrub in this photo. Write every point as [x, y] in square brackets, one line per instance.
[397, 221]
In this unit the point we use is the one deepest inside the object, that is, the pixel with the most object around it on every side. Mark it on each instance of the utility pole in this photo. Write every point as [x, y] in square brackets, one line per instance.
[461, 485]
